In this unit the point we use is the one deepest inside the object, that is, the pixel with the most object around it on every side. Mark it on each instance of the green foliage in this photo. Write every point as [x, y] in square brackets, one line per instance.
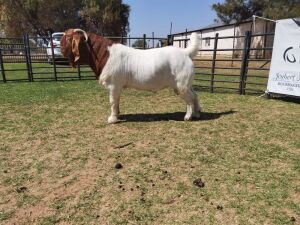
[106, 17]
[140, 43]
[163, 43]
[280, 9]
[39, 16]
[239, 10]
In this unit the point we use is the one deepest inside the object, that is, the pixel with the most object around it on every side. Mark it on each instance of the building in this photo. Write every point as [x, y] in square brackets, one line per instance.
[233, 44]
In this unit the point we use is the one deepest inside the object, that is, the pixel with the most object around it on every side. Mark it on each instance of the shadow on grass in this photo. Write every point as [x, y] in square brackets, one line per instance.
[176, 116]
[227, 90]
[290, 99]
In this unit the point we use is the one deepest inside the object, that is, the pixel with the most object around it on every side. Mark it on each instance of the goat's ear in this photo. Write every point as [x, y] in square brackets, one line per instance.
[75, 46]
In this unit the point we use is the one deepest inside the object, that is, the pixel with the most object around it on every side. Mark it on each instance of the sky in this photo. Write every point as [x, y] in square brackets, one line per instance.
[149, 16]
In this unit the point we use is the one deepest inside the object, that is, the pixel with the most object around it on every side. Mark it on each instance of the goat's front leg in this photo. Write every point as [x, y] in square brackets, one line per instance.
[114, 99]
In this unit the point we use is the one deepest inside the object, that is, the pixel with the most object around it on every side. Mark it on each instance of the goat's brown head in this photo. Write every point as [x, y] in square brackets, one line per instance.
[75, 47]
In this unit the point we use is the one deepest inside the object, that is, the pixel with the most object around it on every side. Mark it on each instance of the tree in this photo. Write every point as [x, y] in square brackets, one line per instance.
[39, 16]
[106, 17]
[140, 43]
[239, 10]
[281, 9]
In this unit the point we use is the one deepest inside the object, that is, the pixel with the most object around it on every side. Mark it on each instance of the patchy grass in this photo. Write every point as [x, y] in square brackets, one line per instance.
[58, 157]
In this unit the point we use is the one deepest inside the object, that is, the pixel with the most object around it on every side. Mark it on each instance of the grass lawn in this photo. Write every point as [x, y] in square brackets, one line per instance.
[44, 71]
[58, 157]
[225, 79]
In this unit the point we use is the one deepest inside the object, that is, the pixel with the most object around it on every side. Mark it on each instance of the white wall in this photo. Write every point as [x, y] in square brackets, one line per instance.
[222, 43]
[230, 43]
[207, 40]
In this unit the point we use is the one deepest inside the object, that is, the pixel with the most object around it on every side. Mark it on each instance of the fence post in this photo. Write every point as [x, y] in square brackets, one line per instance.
[185, 41]
[78, 71]
[53, 57]
[25, 43]
[214, 63]
[144, 41]
[170, 39]
[244, 67]
[29, 58]
[152, 39]
[2, 67]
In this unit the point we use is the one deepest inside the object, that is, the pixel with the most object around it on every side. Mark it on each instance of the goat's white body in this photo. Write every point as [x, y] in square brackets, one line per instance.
[150, 70]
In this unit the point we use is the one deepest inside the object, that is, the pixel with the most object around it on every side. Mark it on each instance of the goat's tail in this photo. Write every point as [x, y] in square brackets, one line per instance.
[193, 47]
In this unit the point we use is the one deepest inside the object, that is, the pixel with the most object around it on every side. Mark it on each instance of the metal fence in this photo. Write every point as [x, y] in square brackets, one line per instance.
[244, 71]
[32, 58]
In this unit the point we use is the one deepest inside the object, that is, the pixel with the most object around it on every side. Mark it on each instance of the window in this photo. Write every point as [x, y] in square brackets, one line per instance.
[207, 42]
[57, 37]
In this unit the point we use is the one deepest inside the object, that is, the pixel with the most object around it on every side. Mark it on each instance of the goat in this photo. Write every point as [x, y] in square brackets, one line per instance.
[118, 67]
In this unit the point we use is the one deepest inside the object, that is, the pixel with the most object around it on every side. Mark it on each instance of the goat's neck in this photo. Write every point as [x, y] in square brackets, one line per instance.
[99, 53]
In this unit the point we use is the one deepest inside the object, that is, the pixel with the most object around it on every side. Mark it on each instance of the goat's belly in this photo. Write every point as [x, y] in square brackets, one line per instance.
[147, 87]
[152, 84]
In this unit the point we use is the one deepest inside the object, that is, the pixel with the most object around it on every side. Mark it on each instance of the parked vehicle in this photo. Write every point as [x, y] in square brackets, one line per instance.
[56, 37]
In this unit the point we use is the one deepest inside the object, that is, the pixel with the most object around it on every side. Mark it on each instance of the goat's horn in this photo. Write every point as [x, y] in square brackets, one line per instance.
[82, 31]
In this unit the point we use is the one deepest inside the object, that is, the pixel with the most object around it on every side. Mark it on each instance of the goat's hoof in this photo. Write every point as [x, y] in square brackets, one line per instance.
[188, 118]
[112, 119]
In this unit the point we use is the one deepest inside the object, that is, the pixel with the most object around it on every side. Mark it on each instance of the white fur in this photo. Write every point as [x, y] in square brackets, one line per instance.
[151, 70]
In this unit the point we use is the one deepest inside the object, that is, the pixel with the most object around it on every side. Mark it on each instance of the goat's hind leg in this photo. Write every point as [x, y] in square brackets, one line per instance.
[187, 96]
[193, 107]
[197, 107]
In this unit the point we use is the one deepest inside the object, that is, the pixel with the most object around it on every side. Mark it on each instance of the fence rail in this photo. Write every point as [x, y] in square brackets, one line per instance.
[242, 68]
[32, 58]
[220, 68]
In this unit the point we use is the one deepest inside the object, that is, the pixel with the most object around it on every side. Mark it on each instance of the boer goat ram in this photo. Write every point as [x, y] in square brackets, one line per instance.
[118, 66]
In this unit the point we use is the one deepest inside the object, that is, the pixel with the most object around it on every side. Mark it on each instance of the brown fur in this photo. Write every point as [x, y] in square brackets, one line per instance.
[93, 52]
